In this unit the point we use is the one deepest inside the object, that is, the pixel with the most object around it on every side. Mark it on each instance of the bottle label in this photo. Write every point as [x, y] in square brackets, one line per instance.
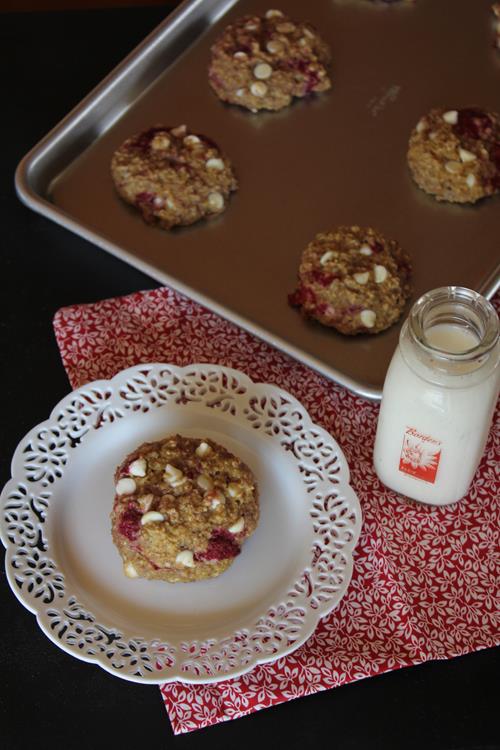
[420, 455]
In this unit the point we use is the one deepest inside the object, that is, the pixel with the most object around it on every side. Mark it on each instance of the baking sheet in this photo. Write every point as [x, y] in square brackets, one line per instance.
[338, 158]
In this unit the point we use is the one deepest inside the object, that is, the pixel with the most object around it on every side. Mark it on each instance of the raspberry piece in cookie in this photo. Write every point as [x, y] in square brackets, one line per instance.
[354, 280]
[172, 176]
[183, 507]
[263, 62]
[454, 154]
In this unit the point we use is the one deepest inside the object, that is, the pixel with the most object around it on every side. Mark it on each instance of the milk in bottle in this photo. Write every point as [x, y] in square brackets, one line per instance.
[439, 395]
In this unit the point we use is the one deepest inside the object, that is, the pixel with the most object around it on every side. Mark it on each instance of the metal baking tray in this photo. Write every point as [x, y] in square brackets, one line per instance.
[338, 158]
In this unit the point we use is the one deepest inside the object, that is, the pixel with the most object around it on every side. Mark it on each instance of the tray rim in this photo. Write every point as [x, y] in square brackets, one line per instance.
[38, 203]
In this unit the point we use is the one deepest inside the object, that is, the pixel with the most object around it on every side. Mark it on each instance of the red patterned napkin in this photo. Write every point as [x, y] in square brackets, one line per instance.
[426, 580]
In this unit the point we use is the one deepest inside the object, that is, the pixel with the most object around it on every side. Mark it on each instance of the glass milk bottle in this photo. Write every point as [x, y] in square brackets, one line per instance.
[439, 395]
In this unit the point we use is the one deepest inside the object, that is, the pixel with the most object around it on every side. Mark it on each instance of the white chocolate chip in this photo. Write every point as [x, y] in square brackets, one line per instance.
[145, 502]
[152, 516]
[180, 131]
[160, 142]
[285, 28]
[240, 56]
[361, 278]
[177, 482]
[216, 498]
[240, 92]
[158, 202]
[366, 250]
[216, 164]
[216, 201]
[368, 318]
[326, 257]
[380, 274]
[185, 558]
[125, 486]
[233, 490]
[138, 467]
[203, 449]
[471, 180]
[451, 117]
[274, 46]
[175, 477]
[205, 483]
[452, 167]
[130, 571]
[420, 125]
[192, 140]
[262, 71]
[258, 88]
[466, 156]
[238, 526]
[274, 13]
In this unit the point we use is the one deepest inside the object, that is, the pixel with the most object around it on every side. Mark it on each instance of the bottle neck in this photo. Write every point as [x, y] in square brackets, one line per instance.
[451, 337]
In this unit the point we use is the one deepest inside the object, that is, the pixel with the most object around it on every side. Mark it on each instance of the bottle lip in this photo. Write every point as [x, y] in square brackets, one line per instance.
[475, 312]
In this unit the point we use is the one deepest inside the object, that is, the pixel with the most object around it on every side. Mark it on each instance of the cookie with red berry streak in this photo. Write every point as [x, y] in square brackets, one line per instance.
[354, 280]
[183, 508]
[172, 176]
[454, 154]
[264, 62]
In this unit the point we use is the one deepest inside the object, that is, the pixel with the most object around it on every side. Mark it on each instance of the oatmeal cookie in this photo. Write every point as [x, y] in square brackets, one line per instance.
[354, 280]
[183, 507]
[454, 154]
[173, 177]
[263, 62]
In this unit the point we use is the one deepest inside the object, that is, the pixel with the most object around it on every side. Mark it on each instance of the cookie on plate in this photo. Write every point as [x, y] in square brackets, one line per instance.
[454, 154]
[172, 176]
[183, 507]
[354, 280]
[263, 62]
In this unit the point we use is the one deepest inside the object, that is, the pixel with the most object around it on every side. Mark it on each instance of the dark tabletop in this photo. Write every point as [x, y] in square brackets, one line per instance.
[48, 698]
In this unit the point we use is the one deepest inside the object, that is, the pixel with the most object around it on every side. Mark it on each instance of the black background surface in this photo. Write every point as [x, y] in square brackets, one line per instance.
[48, 699]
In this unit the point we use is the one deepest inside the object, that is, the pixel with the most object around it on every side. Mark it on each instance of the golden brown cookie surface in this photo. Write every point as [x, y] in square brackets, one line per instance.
[354, 280]
[263, 62]
[183, 507]
[172, 176]
[454, 154]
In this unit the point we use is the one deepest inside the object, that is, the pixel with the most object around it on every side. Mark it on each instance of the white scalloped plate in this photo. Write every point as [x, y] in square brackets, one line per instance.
[62, 565]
